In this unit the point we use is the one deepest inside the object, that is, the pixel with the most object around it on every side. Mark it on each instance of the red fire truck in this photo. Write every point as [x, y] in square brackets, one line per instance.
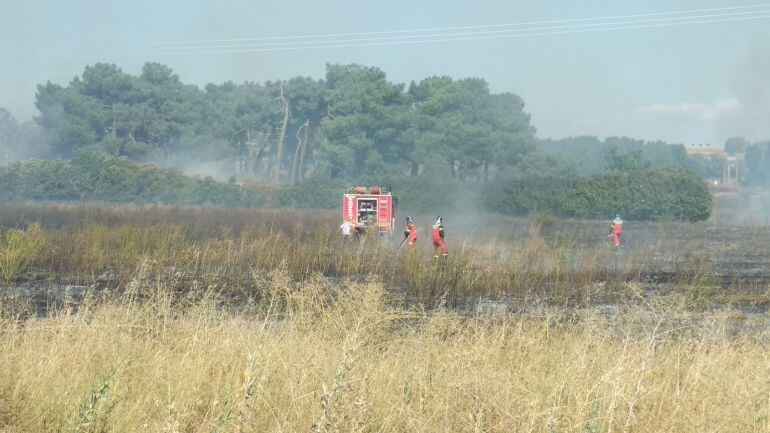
[370, 208]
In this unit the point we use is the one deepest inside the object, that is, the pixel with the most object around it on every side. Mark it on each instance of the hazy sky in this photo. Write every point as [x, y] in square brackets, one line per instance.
[645, 78]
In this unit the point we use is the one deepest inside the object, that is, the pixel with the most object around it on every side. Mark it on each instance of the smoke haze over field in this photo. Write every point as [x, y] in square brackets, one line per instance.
[694, 83]
[751, 88]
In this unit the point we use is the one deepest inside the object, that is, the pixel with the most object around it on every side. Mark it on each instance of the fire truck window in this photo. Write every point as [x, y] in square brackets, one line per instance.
[367, 211]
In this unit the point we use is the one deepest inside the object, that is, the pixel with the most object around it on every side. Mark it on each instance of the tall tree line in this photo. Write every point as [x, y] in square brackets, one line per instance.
[353, 123]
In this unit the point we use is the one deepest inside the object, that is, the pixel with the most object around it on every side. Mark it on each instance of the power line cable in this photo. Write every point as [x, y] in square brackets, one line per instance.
[698, 18]
[456, 28]
[502, 32]
[460, 39]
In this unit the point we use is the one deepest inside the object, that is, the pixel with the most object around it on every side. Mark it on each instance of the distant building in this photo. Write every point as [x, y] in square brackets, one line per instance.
[705, 151]
[734, 163]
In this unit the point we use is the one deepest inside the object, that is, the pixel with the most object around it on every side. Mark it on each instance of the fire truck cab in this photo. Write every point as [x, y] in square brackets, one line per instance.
[370, 208]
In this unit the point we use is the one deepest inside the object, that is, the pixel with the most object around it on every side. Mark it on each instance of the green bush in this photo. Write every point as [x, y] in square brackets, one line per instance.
[417, 194]
[97, 177]
[431, 194]
[42, 180]
[671, 193]
[322, 194]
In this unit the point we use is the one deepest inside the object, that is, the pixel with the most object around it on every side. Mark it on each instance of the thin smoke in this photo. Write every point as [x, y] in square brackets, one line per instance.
[751, 88]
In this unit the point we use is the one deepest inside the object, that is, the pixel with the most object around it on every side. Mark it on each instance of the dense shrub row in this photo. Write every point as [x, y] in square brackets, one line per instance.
[95, 177]
[670, 193]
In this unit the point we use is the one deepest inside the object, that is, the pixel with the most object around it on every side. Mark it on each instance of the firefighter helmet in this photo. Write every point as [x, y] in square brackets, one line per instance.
[439, 221]
[409, 220]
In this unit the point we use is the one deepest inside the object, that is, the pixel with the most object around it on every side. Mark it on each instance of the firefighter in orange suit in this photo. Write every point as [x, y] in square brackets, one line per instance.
[616, 228]
[411, 231]
[439, 244]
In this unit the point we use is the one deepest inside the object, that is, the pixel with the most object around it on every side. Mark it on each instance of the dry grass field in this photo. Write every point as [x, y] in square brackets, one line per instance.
[212, 320]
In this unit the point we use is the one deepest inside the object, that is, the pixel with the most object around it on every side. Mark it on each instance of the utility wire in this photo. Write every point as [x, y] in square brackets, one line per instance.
[501, 32]
[446, 29]
[460, 39]
[397, 37]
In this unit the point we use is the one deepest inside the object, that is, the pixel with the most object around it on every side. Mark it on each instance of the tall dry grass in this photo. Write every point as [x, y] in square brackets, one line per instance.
[519, 261]
[18, 249]
[319, 357]
[243, 320]
[520, 270]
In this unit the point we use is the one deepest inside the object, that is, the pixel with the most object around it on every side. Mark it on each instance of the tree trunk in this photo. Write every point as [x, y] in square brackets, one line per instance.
[463, 170]
[114, 123]
[295, 161]
[299, 152]
[281, 139]
[415, 170]
[247, 156]
[486, 170]
[303, 150]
